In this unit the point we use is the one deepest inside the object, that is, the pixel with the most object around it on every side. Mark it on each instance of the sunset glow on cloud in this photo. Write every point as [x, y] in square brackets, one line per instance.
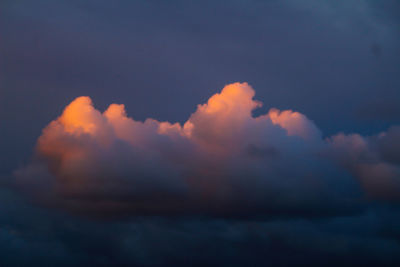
[221, 161]
[199, 133]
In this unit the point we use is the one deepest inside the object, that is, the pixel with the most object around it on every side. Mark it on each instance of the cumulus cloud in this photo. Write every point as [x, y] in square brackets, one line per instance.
[373, 161]
[222, 161]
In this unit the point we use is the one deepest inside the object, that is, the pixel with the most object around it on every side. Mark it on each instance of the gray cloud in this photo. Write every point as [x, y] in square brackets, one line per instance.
[46, 237]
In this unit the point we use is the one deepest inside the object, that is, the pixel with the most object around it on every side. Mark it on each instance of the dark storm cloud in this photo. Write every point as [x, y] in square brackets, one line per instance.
[31, 236]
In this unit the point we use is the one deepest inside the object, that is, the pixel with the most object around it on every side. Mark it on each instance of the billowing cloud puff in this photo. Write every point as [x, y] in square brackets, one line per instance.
[373, 161]
[222, 161]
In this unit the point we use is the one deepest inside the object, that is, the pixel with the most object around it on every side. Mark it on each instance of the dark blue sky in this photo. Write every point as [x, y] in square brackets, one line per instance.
[337, 62]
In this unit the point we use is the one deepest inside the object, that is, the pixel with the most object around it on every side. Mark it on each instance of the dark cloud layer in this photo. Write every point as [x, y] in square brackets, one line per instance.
[32, 237]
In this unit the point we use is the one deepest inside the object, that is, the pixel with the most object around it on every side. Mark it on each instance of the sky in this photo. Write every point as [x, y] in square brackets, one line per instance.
[220, 133]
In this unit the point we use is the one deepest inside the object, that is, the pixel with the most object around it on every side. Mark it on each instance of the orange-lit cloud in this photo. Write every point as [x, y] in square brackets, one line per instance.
[221, 161]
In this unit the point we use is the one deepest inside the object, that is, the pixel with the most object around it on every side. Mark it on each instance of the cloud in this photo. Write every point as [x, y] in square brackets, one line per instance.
[374, 161]
[222, 161]
[54, 238]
